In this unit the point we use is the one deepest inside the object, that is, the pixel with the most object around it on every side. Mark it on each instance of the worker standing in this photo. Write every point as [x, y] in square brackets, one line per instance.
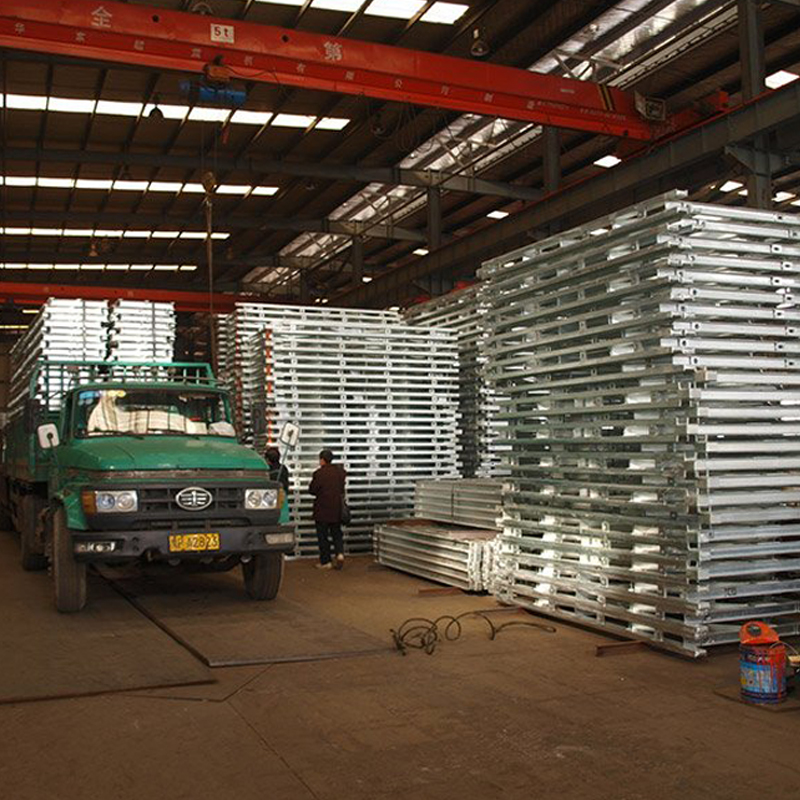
[327, 486]
[279, 473]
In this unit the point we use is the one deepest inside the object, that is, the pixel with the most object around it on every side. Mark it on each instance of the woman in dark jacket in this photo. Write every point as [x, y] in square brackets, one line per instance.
[327, 486]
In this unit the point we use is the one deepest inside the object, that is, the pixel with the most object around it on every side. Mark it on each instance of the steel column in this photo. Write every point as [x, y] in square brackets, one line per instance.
[552, 159]
[434, 219]
[357, 259]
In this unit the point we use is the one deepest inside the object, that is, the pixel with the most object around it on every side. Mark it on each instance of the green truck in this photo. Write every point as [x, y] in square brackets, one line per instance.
[113, 463]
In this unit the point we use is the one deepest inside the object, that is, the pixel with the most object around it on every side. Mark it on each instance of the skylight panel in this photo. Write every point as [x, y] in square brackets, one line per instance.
[54, 183]
[19, 180]
[165, 186]
[131, 186]
[104, 233]
[119, 108]
[338, 5]
[265, 191]
[166, 234]
[781, 197]
[397, 9]
[136, 235]
[293, 121]
[169, 111]
[444, 13]
[729, 186]
[92, 183]
[27, 102]
[70, 105]
[242, 117]
[331, 124]
[421, 251]
[607, 161]
[497, 214]
[780, 78]
[203, 114]
[193, 235]
[194, 188]
[233, 188]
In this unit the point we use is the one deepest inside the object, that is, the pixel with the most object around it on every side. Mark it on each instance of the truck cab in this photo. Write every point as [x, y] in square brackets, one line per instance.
[140, 462]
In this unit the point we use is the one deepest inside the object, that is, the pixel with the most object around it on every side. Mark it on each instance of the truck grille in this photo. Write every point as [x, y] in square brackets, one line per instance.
[161, 501]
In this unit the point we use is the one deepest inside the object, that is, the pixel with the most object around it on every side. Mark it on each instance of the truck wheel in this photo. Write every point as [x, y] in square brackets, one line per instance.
[262, 576]
[68, 574]
[32, 557]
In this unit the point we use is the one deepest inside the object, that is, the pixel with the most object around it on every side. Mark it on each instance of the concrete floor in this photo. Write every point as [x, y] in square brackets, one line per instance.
[527, 715]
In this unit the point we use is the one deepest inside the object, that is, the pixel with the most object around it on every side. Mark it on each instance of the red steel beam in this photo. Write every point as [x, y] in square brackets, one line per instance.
[29, 294]
[157, 38]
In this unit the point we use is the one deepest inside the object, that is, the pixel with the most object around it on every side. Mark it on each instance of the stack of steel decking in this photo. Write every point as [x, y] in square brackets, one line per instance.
[381, 396]
[437, 552]
[479, 431]
[476, 502]
[142, 331]
[651, 363]
[63, 330]
[235, 334]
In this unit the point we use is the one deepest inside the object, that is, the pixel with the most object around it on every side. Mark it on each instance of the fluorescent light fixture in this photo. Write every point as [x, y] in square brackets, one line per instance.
[338, 5]
[397, 9]
[743, 193]
[78, 232]
[166, 267]
[607, 161]
[141, 267]
[93, 267]
[102, 233]
[53, 183]
[136, 235]
[26, 102]
[118, 108]
[131, 186]
[106, 233]
[14, 327]
[92, 183]
[366, 279]
[220, 235]
[165, 234]
[46, 231]
[242, 117]
[421, 251]
[71, 105]
[188, 267]
[165, 186]
[729, 186]
[202, 114]
[292, 121]
[782, 197]
[194, 188]
[331, 124]
[780, 78]
[497, 214]
[232, 188]
[444, 13]
[118, 267]
[264, 191]
[30, 310]
[193, 235]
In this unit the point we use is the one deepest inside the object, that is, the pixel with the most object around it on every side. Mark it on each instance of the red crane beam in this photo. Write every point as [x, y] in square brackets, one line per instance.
[157, 38]
[34, 294]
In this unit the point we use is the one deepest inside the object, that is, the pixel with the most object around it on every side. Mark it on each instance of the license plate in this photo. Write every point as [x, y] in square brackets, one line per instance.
[193, 542]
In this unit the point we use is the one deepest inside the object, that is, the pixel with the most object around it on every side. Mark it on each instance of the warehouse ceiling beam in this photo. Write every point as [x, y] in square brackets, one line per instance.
[389, 176]
[23, 293]
[680, 162]
[224, 48]
[221, 222]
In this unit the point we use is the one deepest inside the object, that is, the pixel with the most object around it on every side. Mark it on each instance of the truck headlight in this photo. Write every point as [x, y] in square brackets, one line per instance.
[259, 499]
[110, 502]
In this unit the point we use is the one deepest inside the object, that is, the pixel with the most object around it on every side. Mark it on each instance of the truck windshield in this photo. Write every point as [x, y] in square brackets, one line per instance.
[115, 412]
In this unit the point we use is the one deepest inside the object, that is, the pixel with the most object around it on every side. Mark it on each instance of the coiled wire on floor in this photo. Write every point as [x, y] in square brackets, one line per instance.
[420, 633]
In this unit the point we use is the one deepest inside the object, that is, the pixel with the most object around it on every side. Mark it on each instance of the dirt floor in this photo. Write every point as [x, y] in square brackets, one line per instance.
[529, 714]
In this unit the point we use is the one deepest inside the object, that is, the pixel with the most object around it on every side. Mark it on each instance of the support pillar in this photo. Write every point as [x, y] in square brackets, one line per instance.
[357, 260]
[753, 69]
[434, 218]
[552, 159]
[305, 289]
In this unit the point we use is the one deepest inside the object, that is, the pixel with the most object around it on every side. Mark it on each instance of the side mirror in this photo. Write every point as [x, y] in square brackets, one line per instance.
[289, 435]
[48, 436]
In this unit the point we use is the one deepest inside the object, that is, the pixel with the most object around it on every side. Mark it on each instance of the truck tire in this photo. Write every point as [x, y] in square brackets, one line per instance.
[32, 553]
[262, 576]
[68, 574]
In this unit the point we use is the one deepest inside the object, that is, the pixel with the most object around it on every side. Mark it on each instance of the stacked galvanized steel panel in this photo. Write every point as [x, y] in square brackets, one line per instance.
[476, 502]
[651, 362]
[141, 330]
[463, 311]
[453, 556]
[382, 396]
[236, 359]
[63, 330]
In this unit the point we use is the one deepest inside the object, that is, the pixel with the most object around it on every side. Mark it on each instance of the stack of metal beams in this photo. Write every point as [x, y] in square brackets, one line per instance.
[382, 396]
[479, 431]
[651, 363]
[441, 553]
[476, 502]
[235, 337]
[142, 331]
[63, 330]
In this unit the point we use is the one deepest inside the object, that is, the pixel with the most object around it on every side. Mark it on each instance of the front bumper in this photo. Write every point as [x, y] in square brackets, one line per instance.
[154, 544]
